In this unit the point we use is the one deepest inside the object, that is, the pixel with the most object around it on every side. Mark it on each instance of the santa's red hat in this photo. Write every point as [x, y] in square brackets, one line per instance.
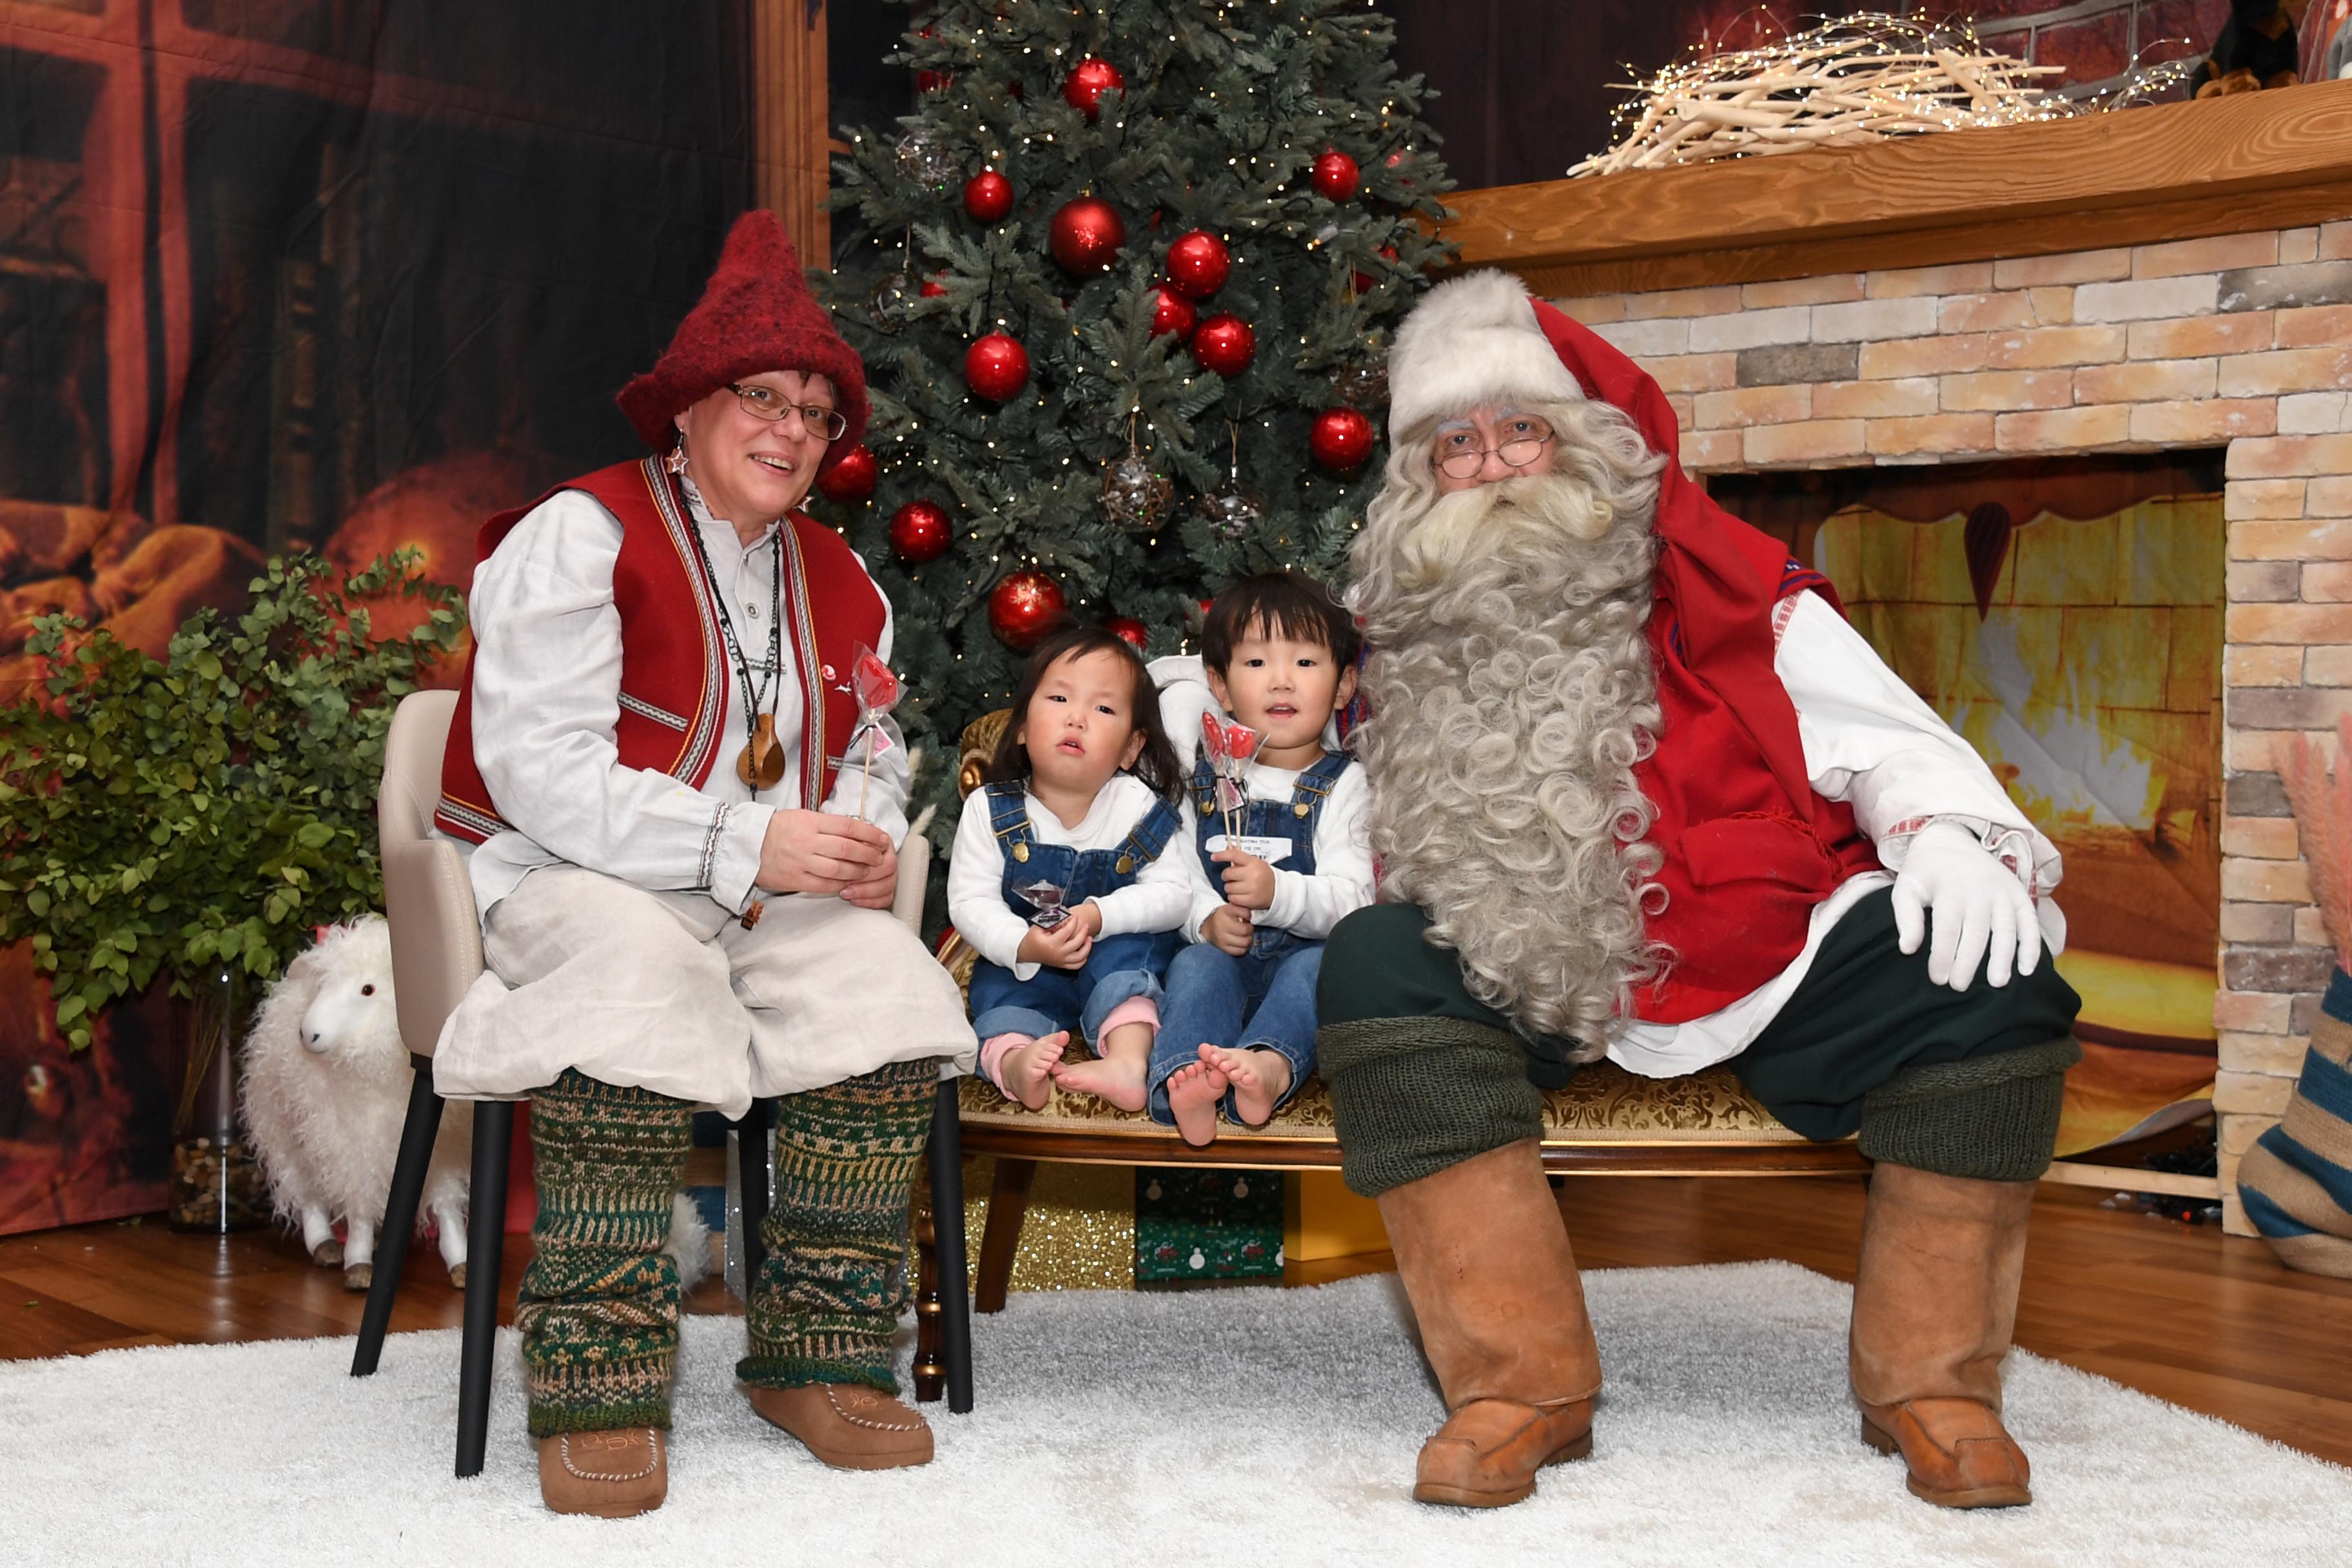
[755, 315]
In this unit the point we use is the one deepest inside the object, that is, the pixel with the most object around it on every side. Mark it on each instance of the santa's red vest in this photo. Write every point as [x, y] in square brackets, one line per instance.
[673, 664]
[1747, 855]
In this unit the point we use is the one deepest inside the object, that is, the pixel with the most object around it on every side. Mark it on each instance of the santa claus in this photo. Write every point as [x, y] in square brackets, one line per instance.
[1640, 791]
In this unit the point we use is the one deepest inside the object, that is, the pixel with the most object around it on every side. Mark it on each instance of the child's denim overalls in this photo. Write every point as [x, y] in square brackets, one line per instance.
[1120, 967]
[1264, 998]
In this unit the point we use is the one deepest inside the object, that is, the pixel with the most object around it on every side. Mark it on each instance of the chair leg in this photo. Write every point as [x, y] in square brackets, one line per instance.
[947, 1227]
[416, 1137]
[930, 1365]
[753, 1176]
[1008, 1203]
[486, 1235]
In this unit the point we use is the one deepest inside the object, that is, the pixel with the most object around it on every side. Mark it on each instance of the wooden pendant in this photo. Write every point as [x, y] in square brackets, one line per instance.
[752, 916]
[762, 764]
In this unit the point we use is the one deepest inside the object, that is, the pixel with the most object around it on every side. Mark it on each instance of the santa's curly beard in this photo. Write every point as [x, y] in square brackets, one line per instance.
[1511, 693]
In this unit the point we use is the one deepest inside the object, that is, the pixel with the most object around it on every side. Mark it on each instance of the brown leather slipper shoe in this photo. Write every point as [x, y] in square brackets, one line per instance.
[848, 1425]
[607, 1475]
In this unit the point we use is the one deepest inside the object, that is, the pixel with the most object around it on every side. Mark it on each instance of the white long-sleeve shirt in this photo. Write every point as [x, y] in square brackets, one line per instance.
[1304, 904]
[547, 684]
[1155, 900]
[1870, 741]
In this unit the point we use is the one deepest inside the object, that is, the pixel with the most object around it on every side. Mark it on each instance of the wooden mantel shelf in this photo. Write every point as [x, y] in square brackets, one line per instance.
[2261, 160]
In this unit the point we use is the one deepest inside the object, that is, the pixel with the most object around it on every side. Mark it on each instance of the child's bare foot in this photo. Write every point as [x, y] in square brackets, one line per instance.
[1193, 1092]
[1029, 1071]
[1260, 1078]
[1118, 1080]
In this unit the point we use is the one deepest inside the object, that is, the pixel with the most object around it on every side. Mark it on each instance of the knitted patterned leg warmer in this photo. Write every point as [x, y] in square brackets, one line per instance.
[829, 1297]
[598, 1309]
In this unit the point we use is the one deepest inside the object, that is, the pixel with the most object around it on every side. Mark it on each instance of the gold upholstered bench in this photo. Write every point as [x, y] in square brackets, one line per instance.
[1606, 1122]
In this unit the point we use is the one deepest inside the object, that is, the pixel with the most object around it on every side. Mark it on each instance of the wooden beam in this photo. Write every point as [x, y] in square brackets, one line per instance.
[2175, 171]
[2125, 1179]
[794, 169]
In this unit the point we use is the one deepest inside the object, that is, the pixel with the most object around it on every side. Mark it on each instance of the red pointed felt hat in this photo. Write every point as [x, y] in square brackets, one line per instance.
[756, 315]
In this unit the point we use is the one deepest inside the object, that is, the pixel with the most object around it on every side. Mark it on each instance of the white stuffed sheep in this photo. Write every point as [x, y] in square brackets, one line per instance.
[326, 1089]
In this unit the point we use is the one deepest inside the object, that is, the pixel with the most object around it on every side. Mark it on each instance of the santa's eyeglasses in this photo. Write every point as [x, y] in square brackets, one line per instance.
[762, 402]
[1459, 455]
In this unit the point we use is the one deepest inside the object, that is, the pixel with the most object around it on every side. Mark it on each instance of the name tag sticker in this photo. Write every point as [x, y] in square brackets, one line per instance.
[1272, 851]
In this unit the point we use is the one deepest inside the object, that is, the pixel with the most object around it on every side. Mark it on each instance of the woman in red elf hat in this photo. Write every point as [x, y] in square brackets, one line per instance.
[682, 906]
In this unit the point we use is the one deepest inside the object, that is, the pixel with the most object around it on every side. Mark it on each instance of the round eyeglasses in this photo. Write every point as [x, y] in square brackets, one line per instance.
[1459, 456]
[763, 403]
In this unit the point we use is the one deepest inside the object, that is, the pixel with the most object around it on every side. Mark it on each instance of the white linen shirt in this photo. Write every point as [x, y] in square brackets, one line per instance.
[547, 684]
[1870, 741]
[1155, 900]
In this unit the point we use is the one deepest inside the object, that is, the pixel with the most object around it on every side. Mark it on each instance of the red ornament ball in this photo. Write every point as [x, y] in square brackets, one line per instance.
[1335, 174]
[1170, 312]
[1341, 439]
[1085, 235]
[1224, 344]
[1023, 609]
[1129, 631]
[932, 80]
[919, 532]
[1199, 263]
[934, 286]
[987, 197]
[996, 367]
[1365, 281]
[1089, 80]
[852, 477]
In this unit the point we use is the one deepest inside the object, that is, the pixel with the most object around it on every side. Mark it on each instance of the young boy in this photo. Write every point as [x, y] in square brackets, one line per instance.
[1237, 1028]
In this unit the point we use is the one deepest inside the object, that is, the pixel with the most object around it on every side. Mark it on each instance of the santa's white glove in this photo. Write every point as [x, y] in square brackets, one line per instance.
[1978, 908]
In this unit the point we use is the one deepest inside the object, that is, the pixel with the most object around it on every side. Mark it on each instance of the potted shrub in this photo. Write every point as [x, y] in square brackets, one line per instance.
[195, 819]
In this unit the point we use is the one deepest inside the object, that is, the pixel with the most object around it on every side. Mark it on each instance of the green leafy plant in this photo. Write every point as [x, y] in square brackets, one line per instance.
[207, 810]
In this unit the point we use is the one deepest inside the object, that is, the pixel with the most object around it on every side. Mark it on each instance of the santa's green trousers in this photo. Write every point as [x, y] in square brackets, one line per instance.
[599, 1304]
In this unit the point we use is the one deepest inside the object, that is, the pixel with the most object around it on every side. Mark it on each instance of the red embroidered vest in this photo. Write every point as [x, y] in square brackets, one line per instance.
[1748, 851]
[673, 664]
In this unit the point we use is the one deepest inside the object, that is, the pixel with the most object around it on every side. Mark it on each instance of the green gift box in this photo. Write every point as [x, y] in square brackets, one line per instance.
[1207, 1224]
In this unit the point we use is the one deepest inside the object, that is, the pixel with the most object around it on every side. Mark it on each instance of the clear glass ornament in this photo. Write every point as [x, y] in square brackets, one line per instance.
[1233, 513]
[925, 157]
[1135, 495]
[892, 301]
[1364, 386]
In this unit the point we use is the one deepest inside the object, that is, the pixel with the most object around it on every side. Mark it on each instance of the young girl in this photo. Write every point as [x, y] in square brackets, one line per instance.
[1058, 879]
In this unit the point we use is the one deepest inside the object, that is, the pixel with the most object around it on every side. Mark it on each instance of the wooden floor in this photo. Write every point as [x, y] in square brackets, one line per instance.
[2211, 1322]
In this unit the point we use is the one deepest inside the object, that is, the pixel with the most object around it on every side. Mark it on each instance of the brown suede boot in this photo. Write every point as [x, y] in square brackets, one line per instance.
[1933, 1307]
[610, 1474]
[1488, 1266]
[848, 1425]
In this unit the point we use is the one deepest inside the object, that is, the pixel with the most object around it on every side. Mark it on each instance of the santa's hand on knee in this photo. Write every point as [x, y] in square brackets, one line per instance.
[1969, 906]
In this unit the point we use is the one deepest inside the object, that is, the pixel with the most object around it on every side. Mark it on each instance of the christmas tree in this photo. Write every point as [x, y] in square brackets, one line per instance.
[1124, 285]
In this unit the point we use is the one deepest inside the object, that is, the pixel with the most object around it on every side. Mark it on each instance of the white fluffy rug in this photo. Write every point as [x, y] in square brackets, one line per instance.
[1261, 1427]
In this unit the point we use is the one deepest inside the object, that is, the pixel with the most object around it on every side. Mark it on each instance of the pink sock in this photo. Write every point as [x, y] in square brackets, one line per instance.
[1134, 1010]
[993, 1052]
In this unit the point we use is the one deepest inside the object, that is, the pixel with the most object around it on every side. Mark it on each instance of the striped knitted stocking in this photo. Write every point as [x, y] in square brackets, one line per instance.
[598, 1308]
[829, 1298]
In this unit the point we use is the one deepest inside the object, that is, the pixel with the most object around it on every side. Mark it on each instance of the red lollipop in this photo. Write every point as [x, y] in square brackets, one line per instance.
[987, 197]
[874, 685]
[1170, 312]
[1199, 263]
[1089, 80]
[996, 367]
[1224, 344]
[852, 477]
[1241, 741]
[1212, 739]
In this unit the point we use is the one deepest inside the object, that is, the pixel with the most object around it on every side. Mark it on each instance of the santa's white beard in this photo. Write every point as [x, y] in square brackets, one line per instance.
[1511, 692]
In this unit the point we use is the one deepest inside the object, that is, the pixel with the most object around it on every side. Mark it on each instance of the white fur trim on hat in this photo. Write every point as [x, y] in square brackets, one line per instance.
[1472, 340]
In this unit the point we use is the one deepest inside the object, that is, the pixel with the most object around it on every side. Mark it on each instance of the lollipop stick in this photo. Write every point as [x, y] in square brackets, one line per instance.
[865, 780]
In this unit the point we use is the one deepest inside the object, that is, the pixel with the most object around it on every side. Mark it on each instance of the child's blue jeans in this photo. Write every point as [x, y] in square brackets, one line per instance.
[1263, 1000]
[1119, 968]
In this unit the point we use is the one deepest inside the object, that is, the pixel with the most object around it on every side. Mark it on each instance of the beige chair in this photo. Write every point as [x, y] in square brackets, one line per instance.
[436, 955]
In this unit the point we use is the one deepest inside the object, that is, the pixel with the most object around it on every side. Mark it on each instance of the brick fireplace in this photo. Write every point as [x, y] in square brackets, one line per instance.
[2062, 291]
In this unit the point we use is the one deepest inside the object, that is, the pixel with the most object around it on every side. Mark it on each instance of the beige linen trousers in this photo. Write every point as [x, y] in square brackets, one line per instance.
[669, 992]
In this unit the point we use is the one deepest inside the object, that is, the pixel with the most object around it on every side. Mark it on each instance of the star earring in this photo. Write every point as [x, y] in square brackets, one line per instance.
[676, 461]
